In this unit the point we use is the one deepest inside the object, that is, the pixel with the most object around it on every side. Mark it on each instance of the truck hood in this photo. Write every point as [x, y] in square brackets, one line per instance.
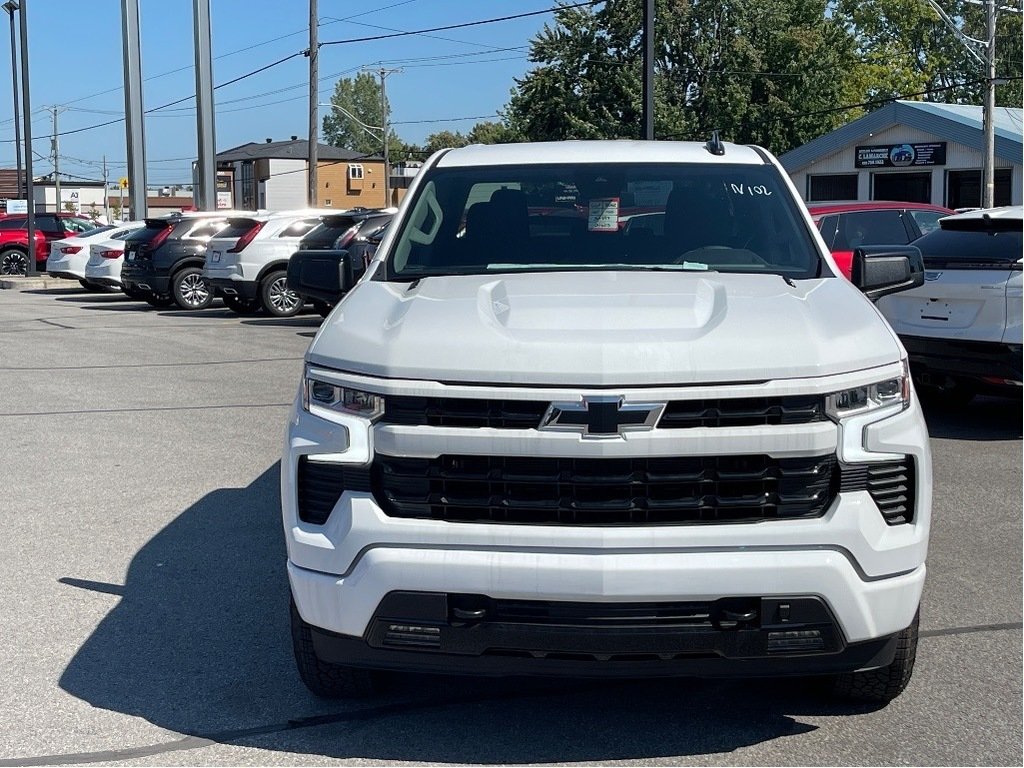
[604, 329]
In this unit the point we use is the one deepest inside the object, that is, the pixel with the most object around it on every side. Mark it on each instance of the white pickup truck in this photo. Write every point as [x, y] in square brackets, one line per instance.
[607, 409]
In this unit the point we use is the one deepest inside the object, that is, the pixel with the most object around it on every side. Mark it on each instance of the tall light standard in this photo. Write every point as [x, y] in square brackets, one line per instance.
[11, 6]
[369, 129]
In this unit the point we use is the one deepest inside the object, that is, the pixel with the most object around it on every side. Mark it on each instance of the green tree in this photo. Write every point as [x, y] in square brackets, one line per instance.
[360, 97]
[904, 47]
[491, 132]
[751, 68]
[442, 140]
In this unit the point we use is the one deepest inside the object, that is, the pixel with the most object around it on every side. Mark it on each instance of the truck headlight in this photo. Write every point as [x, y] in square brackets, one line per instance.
[870, 397]
[317, 393]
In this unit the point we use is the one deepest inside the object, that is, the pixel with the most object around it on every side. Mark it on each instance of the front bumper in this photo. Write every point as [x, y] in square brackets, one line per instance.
[868, 574]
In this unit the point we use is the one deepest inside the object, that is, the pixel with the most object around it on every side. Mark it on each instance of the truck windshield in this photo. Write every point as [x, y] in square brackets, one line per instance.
[695, 217]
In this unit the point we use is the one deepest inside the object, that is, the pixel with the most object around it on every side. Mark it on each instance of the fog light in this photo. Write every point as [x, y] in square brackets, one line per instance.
[796, 640]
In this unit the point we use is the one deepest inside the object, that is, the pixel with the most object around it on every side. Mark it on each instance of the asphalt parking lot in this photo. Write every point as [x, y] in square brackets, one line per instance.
[143, 615]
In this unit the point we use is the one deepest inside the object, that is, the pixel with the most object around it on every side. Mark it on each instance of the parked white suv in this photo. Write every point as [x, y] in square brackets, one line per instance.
[962, 328]
[533, 440]
[246, 263]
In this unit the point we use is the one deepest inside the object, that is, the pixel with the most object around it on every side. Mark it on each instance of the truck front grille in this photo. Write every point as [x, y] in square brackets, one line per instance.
[633, 491]
[471, 413]
[320, 485]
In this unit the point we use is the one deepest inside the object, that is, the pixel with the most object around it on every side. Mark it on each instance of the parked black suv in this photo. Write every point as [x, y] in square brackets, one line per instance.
[163, 261]
[359, 241]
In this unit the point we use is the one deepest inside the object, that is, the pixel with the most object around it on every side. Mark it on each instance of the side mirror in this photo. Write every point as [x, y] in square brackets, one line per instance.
[323, 275]
[879, 270]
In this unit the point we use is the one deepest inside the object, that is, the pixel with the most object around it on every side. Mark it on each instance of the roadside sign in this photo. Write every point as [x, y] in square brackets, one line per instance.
[123, 182]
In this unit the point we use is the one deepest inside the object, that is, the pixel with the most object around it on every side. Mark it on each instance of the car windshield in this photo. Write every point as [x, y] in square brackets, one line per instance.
[693, 217]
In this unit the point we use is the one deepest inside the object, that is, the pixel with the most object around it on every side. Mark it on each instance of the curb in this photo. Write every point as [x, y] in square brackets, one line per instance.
[36, 282]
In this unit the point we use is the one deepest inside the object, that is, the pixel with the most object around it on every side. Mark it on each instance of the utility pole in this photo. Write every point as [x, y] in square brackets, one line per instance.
[314, 99]
[384, 130]
[106, 192]
[204, 106]
[26, 115]
[648, 87]
[55, 149]
[11, 6]
[135, 128]
[988, 186]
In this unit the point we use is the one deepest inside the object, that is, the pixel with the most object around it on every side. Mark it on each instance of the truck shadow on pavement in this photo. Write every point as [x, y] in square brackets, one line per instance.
[199, 644]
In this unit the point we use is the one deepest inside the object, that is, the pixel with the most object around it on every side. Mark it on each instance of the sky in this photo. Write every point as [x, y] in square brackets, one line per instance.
[75, 63]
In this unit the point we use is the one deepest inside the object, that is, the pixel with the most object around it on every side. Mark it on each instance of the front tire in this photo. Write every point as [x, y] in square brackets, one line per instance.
[190, 290]
[884, 684]
[13, 261]
[275, 297]
[331, 681]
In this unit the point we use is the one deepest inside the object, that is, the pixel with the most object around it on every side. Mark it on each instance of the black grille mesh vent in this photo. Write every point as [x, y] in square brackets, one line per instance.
[527, 414]
[636, 491]
[891, 485]
[320, 485]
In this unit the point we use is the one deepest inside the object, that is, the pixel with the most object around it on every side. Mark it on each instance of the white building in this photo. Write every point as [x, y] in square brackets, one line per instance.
[911, 151]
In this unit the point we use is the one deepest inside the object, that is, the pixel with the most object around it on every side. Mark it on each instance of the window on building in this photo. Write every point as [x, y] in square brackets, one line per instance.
[963, 188]
[355, 171]
[904, 187]
[833, 187]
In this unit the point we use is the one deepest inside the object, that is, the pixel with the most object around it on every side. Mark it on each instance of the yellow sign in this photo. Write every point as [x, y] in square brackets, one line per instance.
[123, 181]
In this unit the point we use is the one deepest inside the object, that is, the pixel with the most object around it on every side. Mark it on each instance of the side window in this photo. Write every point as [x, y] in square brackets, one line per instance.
[927, 221]
[870, 228]
[49, 224]
[828, 226]
[13, 223]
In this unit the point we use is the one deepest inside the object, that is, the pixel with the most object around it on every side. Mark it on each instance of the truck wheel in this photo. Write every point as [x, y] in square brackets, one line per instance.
[885, 684]
[190, 290]
[276, 298]
[242, 306]
[13, 261]
[331, 681]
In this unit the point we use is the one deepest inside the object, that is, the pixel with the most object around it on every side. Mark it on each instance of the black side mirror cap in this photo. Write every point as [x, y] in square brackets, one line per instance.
[323, 275]
[879, 270]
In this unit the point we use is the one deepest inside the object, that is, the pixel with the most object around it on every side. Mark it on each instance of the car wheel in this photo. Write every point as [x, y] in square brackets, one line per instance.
[884, 684]
[275, 297]
[242, 306]
[331, 681]
[190, 290]
[158, 301]
[13, 261]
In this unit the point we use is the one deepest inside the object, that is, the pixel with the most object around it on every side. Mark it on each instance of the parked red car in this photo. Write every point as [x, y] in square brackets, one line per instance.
[845, 226]
[49, 227]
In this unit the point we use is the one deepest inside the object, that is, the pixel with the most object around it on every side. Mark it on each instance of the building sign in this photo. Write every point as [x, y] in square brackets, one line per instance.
[901, 155]
[17, 206]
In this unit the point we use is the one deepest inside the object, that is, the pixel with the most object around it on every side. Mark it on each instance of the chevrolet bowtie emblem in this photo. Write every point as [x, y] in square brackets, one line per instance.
[601, 416]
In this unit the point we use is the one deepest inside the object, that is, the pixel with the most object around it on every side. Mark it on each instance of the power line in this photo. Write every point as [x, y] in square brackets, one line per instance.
[463, 25]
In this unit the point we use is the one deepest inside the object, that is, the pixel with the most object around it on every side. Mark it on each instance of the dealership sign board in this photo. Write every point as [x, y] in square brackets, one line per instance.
[901, 155]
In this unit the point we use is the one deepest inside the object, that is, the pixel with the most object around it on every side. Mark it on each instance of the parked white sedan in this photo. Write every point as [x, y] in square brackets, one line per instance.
[68, 257]
[107, 254]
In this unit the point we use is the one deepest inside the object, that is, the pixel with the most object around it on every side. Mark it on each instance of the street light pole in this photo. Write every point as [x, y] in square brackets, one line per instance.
[314, 116]
[11, 6]
[26, 116]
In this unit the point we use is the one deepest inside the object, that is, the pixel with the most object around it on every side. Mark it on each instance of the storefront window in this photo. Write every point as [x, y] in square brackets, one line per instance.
[833, 187]
[963, 188]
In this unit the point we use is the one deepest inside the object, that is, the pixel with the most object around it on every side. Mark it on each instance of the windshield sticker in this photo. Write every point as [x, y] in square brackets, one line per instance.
[756, 190]
[604, 215]
[695, 265]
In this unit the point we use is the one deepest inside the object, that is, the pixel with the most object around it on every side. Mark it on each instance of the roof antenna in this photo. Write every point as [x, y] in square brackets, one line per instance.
[715, 145]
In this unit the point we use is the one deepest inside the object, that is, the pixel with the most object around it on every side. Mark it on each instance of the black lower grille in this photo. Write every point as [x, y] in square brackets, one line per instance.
[633, 491]
[891, 485]
[320, 485]
[743, 412]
